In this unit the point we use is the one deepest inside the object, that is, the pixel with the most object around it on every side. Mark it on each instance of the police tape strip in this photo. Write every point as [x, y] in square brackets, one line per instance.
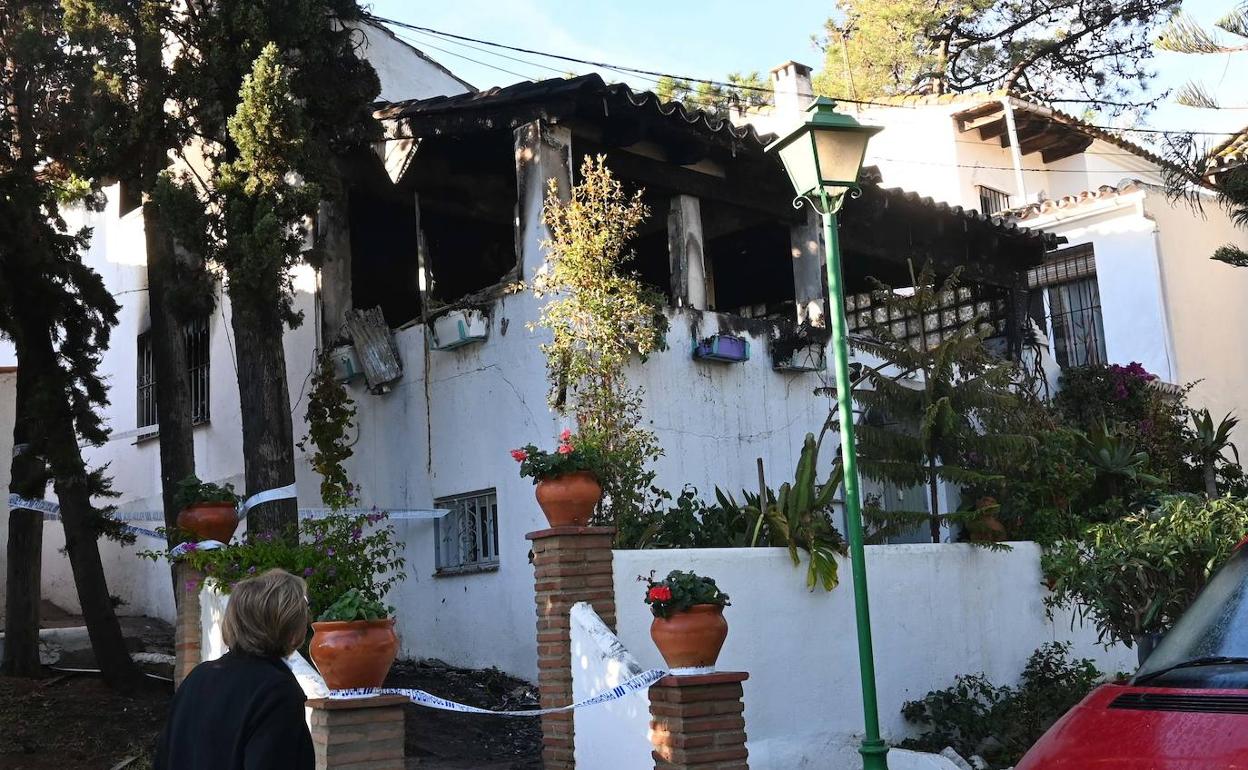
[52, 512]
[634, 684]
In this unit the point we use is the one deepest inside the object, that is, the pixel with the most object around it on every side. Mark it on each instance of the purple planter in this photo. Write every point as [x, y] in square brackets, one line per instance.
[722, 347]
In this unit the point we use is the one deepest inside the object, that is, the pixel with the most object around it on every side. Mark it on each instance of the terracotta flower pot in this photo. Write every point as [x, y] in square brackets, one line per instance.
[355, 653]
[209, 521]
[987, 529]
[693, 638]
[569, 500]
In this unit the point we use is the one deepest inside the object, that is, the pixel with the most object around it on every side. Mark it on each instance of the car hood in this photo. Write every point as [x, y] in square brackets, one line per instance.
[1141, 728]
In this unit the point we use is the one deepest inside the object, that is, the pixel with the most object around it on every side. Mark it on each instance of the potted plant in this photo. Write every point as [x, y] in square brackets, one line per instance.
[354, 643]
[208, 511]
[688, 627]
[799, 348]
[458, 327]
[567, 487]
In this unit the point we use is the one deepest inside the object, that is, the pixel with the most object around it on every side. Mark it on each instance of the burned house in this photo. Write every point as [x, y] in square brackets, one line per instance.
[443, 222]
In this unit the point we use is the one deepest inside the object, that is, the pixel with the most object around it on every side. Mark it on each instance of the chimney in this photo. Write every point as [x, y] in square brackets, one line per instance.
[793, 90]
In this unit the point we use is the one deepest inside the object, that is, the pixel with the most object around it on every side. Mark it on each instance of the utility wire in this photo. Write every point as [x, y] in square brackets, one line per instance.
[652, 74]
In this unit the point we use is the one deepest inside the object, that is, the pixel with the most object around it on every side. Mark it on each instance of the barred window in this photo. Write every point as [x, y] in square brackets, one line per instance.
[195, 338]
[992, 201]
[467, 537]
[1073, 300]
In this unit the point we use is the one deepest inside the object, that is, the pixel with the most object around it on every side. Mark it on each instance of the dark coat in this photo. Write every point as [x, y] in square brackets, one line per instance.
[238, 712]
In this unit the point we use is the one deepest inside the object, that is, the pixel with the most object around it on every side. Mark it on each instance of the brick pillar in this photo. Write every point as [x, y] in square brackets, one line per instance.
[358, 734]
[571, 564]
[698, 722]
[188, 630]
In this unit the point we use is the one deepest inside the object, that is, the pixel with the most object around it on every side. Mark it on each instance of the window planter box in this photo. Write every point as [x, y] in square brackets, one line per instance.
[346, 363]
[457, 328]
[811, 358]
[722, 347]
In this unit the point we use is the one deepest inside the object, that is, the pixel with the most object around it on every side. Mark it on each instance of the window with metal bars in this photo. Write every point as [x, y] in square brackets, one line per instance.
[467, 537]
[992, 201]
[195, 338]
[1073, 305]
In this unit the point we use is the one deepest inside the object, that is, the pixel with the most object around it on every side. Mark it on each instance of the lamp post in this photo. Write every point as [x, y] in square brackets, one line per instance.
[823, 157]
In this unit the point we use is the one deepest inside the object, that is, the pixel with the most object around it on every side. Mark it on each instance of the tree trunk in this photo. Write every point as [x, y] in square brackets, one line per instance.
[933, 489]
[81, 536]
[28, 479]
[173, 385]
[264, 399]
[1211, 479]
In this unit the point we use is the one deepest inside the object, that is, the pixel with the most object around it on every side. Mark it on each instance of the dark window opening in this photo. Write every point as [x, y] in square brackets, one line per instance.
[466, 254]
[384, 266]
[198, 356]
[752, 271]
[651, 256]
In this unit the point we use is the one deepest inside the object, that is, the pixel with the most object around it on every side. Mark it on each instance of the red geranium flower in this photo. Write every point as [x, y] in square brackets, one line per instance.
[519, 455]
[565, 449]
[567, 434]
[660, 594]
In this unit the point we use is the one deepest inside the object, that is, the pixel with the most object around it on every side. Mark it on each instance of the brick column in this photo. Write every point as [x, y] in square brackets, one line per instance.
[571, 564]
[698, 722]
[188, 630]
[358, 734]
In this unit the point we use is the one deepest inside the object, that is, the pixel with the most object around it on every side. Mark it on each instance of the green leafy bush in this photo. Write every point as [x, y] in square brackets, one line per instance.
[1137, 575]
[333, 554]
[353, 605]
[192, 491]
[999, 724]
[798, 516]
[679, 591]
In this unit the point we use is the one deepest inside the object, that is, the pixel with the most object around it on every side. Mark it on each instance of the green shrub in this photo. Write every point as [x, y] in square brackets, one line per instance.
[1137, 575]
[352, 606]
[192, 491]
[999, 724]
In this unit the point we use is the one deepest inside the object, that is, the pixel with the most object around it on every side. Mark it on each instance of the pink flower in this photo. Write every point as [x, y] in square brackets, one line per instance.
[565, 449]
[519, 455]
[567, 434]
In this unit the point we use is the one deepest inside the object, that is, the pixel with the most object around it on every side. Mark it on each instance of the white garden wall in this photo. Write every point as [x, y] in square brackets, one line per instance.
[937, 611]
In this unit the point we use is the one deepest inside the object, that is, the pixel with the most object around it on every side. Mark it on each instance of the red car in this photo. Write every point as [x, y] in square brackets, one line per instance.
[1187, 706]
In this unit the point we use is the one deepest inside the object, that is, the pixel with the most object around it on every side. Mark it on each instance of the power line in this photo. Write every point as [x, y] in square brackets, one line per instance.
[652, 74]
[474, 61]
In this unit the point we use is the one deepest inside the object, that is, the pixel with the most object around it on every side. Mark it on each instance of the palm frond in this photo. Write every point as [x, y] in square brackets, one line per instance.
[1193, 94]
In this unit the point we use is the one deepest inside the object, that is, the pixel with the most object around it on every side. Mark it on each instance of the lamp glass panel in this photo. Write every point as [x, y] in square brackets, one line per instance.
[798, 158]
[840, 154]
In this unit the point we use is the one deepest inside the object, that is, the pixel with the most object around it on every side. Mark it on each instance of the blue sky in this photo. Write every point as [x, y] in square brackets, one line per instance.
[709, 40]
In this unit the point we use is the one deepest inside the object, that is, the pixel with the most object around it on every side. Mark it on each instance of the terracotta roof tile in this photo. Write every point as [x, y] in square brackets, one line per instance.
[1069, 202]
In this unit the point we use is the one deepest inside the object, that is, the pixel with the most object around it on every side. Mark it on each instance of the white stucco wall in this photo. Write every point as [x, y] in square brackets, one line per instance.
[1204, 299]
[1128, 276]
[937, 611]
[404, 71]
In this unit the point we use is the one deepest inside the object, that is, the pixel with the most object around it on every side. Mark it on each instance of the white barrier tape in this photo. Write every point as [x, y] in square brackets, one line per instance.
[203, 545]
[421, 698]
[267, 496]
[42, 506]
[411, 513]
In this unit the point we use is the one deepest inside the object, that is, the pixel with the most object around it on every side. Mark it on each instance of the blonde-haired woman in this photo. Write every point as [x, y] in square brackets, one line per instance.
[245, 710]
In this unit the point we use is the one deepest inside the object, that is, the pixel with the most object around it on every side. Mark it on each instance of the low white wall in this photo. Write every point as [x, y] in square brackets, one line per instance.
[8, 396]
[937, 611]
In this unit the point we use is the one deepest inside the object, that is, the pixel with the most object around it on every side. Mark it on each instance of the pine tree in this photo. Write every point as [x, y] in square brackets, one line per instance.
[1093, 51]
[1185, 35]
[59, 316]
[926, 404]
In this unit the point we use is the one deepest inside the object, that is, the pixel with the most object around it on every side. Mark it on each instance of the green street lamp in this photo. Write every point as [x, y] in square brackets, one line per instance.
[823, 157]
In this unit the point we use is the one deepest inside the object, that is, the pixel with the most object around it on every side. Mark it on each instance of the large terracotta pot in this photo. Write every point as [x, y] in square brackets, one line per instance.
[209, 521]
[693, 638]
[569, 500]
[987, 529]
[354, 653]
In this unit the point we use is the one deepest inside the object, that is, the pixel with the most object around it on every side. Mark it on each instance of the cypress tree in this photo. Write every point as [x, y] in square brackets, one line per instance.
[59, 316]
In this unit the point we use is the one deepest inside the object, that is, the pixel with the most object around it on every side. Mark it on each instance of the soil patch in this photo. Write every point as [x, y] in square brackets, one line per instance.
[76, 721]
[446, 739]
